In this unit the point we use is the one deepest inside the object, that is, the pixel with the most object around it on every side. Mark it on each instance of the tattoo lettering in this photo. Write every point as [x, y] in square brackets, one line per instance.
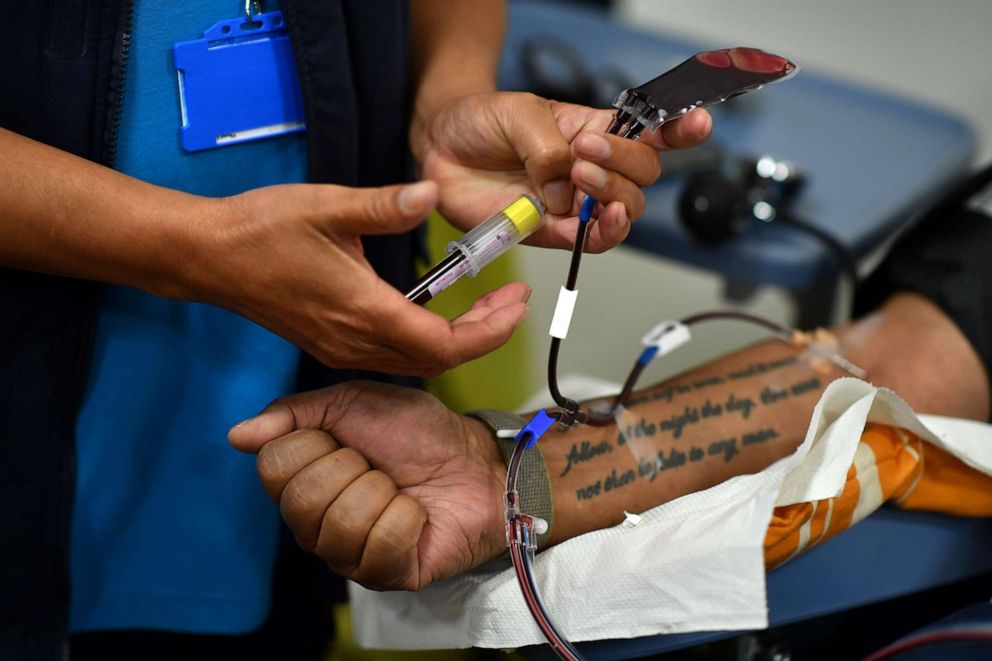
[806, 386]
[589, 492]
[727, 447]
[761, 368]
[614, 481]
[649, 468]
[674, 459]
[668, 392]
[771, 395]
[744, 402]
[759, 436]
[714, 380]
[710, 409]
[642, 429]
[743, 405]
[584, 452]
[677, 422]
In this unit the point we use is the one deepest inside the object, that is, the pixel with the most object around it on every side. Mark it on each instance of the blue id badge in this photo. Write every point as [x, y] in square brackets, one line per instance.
[238, 83]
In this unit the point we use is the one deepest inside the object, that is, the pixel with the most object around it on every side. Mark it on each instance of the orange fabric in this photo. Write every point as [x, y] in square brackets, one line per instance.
[890, 464]
[949, 485]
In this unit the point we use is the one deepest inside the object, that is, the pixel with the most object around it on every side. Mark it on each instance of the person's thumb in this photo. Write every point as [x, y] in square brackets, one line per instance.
[385, 210]
[306, 410]
[251, 434]
[547, 157]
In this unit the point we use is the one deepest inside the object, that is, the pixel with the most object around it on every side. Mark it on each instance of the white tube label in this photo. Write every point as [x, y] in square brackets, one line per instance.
[563, 313]
[667, 336]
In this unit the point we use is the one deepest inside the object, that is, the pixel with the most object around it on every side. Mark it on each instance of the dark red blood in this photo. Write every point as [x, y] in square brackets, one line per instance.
[715, 58]
[758, 61]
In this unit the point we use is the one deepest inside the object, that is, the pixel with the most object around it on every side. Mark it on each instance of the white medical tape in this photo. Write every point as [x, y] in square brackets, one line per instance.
[630, 519]
[667, 336]
[563, 313]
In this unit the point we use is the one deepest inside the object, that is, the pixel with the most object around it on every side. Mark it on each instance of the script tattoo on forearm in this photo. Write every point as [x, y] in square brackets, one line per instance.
[585, 451]
[672, 458]
[754, 369]
[648, 468]
[740, 404]
[691, 415]
[670, 391]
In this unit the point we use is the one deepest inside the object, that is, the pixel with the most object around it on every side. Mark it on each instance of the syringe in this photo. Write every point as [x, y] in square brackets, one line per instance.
[470, 253]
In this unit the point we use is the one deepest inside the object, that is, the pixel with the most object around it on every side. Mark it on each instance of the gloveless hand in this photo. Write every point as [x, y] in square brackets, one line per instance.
[385, 484]
[290, 258]
[486, 149]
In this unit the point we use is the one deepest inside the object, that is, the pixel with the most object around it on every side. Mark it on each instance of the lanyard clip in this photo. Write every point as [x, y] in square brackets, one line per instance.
[252, 8]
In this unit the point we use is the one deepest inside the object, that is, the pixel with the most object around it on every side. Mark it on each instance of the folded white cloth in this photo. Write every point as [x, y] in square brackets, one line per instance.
[693, 564]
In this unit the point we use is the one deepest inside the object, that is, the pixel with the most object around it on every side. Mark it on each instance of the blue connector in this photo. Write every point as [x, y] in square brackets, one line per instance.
[647, 355]
[585, 214]
[536, 426]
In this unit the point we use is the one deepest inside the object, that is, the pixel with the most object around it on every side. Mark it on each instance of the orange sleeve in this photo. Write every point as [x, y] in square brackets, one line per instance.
[949, 485]
[890, 464]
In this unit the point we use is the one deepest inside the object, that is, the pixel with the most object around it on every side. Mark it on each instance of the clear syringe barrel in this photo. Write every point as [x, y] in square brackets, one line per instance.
[492, 238]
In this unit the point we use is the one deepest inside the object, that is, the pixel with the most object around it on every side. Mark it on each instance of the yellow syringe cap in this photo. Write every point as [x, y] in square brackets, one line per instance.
[526, 213]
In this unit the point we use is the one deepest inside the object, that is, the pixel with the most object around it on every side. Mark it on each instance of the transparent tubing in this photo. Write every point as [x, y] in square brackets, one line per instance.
[520, 529]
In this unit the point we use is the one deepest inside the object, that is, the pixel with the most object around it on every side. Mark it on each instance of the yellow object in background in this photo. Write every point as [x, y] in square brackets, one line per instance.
[500, 379]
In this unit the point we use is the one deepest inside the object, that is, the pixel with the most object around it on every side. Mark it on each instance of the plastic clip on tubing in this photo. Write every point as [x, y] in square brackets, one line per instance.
[519, 538]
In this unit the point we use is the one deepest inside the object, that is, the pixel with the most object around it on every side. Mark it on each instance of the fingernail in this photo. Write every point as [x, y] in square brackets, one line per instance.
[253, 424]
[523, 315]
[624, 218]
[416, 197]
[530, 290]
[707, 122]
[247, 425]
[558, 196]
[593, 146]
[592, 175]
